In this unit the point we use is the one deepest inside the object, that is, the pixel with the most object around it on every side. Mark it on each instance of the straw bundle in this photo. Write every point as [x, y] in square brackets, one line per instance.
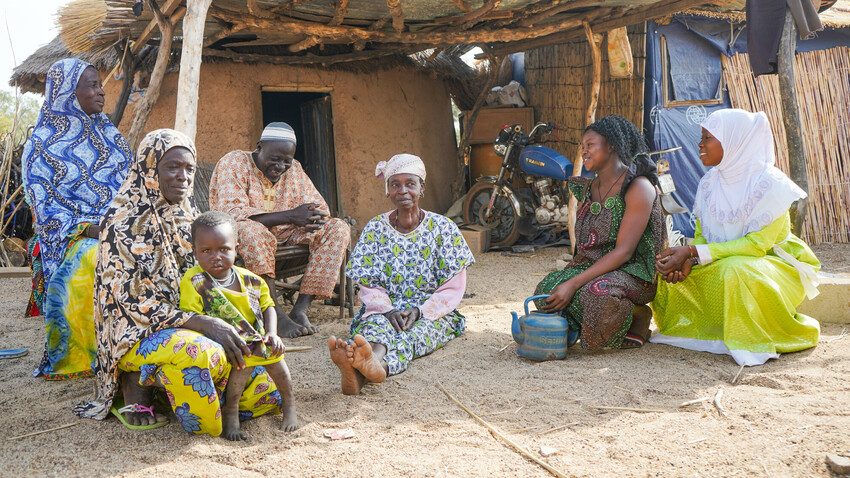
[823, 93]
[78, 21]
[558, 78]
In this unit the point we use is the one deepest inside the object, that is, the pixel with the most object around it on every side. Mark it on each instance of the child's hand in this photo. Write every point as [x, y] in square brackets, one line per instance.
[275, 345]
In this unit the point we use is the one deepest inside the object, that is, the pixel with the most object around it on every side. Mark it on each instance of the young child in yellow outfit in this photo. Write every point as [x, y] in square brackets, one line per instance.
[217, 288]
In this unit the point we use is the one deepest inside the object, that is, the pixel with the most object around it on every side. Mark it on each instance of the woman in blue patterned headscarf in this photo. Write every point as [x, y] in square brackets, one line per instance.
[73, 164]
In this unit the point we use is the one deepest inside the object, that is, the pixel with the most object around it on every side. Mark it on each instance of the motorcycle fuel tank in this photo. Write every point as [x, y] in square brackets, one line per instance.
[543, 161]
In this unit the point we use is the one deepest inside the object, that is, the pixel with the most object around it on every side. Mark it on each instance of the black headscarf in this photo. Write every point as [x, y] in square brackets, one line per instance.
[629, 144]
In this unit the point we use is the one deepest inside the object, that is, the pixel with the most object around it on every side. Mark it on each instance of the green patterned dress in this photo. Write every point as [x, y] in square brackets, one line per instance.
[602, 308]
[410, 268]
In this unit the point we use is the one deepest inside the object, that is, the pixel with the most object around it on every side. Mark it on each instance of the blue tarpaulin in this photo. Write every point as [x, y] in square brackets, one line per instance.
[694, 46]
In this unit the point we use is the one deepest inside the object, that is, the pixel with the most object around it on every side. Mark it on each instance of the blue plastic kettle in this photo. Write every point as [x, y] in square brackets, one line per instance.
[541, 336]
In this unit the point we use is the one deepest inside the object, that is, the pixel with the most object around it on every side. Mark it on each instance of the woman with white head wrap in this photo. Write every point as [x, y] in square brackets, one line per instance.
[411, 268]
[736, 289]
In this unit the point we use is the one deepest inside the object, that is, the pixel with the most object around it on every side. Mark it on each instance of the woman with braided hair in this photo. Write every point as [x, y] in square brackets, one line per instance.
[604, 289]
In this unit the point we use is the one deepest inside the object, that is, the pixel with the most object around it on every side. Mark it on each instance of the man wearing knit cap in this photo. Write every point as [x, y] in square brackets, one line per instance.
[274, 202]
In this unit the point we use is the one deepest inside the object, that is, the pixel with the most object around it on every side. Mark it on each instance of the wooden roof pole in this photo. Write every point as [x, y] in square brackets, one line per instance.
[186, 116]
[167, 9]
[791, 119]
[595, 47]
[145, 106]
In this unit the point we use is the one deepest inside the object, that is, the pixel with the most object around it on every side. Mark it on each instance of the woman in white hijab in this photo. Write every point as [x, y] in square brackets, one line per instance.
[736, 289]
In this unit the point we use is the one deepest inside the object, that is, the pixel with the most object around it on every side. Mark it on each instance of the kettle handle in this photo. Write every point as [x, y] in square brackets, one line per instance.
[534, 297]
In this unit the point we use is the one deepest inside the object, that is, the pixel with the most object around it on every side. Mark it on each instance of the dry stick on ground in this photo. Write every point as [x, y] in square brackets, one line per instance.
[501, 437]
[738, 375]
[629, 409]
[718, 405]
[694, 402]
[298, 348]
[40, 432]
[557, 429]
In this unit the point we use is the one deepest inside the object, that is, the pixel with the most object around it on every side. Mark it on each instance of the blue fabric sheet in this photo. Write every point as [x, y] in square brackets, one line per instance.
[695, 46]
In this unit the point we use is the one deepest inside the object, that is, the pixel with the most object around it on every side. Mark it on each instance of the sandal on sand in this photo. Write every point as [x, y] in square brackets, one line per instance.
[13, 353]
[118, 409]
[632, 341]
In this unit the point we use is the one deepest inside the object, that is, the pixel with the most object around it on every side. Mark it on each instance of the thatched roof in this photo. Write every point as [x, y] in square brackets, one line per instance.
[323, 32]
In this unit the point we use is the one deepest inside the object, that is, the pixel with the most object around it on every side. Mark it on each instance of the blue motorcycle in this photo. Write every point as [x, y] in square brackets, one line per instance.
[492, 201]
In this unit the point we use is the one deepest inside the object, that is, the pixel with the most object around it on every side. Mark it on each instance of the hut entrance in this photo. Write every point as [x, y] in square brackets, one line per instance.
[310, 116]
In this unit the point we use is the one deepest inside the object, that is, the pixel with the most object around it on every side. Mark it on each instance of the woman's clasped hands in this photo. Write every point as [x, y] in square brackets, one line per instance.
[674, 263]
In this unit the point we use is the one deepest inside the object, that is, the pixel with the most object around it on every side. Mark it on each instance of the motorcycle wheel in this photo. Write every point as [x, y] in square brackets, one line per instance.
[504, 227]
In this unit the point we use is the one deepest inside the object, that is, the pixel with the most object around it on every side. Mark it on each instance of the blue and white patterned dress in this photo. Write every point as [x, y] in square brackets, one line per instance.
[411, 267]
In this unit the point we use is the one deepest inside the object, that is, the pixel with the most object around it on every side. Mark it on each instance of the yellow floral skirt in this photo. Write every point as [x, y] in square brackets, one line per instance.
[193, 370]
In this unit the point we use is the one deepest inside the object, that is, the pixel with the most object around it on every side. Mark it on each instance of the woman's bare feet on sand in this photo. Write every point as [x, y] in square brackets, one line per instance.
[351, 380]
[362, 358]
[135, 393]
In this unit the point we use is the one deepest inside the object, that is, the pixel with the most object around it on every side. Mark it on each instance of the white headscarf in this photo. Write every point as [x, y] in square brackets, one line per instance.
[746, 191]
[400, 164]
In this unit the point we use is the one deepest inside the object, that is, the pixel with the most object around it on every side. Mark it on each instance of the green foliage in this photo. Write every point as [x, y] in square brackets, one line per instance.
[27, 108]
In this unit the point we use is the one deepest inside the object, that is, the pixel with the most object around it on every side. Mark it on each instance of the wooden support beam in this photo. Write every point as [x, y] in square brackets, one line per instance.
[433, 39]
[791, 119]
[339, 12]
[186, 116]
[146, 104]
[223, 33]
[166, 9]
[300, 59]
[304, 44]
[463, 148]
[471, 18]
[555, 10]
[397, 14]
[257, 11]
[614, 18]
[594, 44]
[128, 68]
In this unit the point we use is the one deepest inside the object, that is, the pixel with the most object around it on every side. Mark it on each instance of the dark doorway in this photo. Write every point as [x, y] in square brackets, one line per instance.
[311, 117]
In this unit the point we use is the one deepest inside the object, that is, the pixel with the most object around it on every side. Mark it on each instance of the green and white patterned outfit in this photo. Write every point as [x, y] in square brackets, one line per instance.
[402, 271]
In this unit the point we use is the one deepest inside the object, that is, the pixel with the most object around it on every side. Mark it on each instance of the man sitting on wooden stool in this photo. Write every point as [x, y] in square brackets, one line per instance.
[274, 202]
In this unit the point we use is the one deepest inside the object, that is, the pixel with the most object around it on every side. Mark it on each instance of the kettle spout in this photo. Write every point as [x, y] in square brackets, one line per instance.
[516, 329]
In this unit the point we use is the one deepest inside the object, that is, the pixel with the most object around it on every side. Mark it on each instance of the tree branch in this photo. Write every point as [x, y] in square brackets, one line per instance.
[146, 104]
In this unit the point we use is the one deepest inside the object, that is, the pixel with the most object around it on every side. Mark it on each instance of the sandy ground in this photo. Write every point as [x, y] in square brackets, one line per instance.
[782, 417]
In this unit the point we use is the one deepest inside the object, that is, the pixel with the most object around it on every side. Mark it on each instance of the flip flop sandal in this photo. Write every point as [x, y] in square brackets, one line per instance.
[13, 353]
[119, 409]
[632, 341]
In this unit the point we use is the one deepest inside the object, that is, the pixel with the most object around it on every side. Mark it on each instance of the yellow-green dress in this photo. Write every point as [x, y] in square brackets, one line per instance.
[742, 303]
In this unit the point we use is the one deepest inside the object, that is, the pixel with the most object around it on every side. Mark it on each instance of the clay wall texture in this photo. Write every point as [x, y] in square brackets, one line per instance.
[376, 115]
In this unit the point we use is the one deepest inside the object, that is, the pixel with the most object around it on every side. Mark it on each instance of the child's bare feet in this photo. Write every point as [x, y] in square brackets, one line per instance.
[231, 429]
[362, 359]
[236, 382]
[351, 380]
[290, 419]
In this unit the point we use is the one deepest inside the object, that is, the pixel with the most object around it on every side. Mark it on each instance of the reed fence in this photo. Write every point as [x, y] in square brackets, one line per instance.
[558, 79]
[822, 80]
